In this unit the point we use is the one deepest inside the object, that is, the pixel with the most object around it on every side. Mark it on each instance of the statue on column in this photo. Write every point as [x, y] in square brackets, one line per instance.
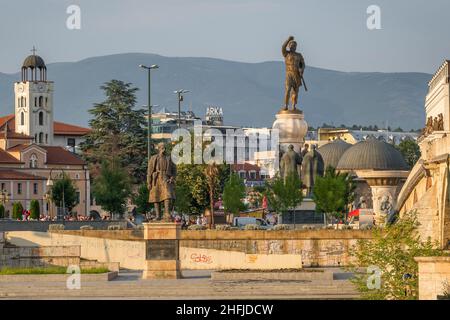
[290, 163]
[161, 176]
[312, 167]
[295, 66]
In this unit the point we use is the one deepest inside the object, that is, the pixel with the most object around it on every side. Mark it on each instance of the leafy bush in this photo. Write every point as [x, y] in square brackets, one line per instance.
[17, 211]
[2, 211]
[252, 227]
[392, 250]
[86, 228]
[56, 227]
[223, 227]
[279, 227]
[35, 210]
[196, 227]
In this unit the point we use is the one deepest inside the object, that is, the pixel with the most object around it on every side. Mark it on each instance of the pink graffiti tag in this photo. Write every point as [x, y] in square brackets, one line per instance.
[201, 258]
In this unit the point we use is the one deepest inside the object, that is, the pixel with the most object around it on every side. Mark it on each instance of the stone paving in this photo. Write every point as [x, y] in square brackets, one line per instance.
[195, 285]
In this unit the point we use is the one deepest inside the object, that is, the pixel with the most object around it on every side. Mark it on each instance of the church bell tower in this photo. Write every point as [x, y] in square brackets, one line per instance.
[34, 101]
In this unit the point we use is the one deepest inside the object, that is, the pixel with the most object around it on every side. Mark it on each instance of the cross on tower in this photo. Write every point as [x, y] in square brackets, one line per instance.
[34, 51]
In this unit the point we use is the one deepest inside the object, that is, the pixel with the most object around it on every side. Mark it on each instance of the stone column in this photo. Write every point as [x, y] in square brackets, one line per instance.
[383, 198]
[162, 251]
[292, 129]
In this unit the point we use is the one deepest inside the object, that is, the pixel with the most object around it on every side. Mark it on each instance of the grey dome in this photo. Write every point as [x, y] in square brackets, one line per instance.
[33, 61]
[372, 154]
[333, 151]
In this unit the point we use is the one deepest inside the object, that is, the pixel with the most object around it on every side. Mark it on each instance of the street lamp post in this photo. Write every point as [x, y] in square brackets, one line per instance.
[179, 94]
[149, 118]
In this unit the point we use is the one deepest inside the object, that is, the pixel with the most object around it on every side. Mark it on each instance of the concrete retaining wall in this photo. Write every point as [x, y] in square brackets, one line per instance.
[26, 257]
[434, 275]
[203, 250]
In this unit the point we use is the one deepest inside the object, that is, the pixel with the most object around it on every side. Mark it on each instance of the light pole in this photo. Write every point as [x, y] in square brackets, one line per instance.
[149, 105]
[180, 93]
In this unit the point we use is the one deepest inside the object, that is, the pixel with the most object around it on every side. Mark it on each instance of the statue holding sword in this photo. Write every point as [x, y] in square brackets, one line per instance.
[295, 66]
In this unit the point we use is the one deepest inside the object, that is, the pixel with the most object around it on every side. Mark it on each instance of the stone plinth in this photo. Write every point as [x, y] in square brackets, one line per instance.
[292, 129]
[434, 274]
[162, 251]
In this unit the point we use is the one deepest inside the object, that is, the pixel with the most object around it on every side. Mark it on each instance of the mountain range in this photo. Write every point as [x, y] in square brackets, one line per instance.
[249, 93]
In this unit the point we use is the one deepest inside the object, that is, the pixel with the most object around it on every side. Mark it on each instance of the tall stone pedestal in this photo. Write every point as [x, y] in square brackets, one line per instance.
[292, 129]
[162, 251]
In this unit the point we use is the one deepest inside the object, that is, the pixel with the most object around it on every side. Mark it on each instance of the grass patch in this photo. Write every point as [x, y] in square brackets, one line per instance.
[48, 270]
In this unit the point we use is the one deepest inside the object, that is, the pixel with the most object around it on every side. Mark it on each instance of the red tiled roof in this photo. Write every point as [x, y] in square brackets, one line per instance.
[5, 157]
[17, 175]
[18, 147]
[59, 155]
[59, 128]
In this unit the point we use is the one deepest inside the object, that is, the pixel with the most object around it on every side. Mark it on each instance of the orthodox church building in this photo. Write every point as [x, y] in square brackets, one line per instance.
[34, 149]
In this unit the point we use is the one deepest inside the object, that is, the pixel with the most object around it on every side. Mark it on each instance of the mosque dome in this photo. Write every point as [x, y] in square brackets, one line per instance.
[372, 154]
[333, 151]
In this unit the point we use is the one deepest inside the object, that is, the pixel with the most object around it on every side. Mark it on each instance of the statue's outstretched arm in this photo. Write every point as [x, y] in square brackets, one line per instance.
[283, 48]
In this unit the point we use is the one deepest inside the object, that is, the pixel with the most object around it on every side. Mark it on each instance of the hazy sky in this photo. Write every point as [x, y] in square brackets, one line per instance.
[331, 33]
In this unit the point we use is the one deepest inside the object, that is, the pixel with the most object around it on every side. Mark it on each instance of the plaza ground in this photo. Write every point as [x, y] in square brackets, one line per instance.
[195, 285]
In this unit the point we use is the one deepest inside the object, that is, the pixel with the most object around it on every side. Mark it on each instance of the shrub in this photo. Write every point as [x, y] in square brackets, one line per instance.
[35, 210]
[252, 227]
[56, 227]
[223, 227]
[86, 228]
[196, 227]
[17, 211]
[2, 211]
[282, 227]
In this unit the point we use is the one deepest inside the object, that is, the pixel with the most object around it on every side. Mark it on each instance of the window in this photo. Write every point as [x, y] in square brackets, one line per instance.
[22, 119]
[41, 118]
[19, 188]
[35, 188]
[35, 101]
[41, 101]
[33, 161]
[252, 175]
[78, 197]
[242, 174]
[3, 186]
[46, 138]
[41, 137]
[46, 102]
[71, 142]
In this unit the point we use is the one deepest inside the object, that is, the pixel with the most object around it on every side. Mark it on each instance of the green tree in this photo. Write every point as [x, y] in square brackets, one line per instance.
[112, 187]
[2, 211]
[35, 210]
[17, 211]
[410, 151]
[118, 130]
[392, 250]
[183, 199]
[283, 195]
[333, 192]
[140, 199]
[233, 193]
[64, 188]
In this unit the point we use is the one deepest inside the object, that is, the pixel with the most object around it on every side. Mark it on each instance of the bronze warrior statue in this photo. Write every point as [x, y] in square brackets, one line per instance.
[295, 66]
[161, 181]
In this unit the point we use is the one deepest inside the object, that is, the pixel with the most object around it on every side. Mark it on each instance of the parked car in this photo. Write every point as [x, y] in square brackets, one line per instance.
[241, 222]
